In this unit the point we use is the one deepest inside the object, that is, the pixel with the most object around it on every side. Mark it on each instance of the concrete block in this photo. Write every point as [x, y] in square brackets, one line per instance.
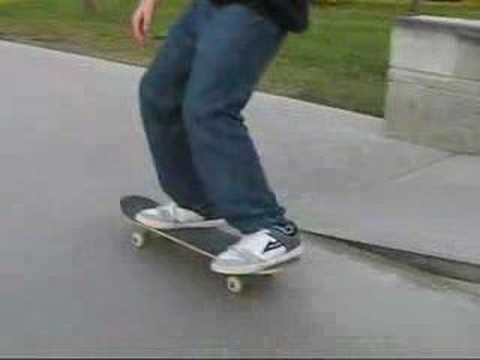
[437, 45]
[442, 113]
[434, 83]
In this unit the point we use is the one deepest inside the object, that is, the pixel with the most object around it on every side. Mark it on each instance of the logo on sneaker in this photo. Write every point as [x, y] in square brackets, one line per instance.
[272, 245]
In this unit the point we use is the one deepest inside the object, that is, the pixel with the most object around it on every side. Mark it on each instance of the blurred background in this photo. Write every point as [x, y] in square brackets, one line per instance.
[342, 61]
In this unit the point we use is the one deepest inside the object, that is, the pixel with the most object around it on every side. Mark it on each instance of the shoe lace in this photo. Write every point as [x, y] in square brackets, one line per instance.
[171, 210]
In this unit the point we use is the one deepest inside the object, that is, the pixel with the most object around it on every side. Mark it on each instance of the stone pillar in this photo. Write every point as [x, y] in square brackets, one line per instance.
[433, 94]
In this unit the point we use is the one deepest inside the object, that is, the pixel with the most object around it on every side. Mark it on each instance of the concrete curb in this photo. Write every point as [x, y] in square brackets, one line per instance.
[436, 265]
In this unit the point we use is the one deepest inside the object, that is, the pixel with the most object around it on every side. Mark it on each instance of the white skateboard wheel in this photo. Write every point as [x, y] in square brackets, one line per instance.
[138, 240]
[234, 284]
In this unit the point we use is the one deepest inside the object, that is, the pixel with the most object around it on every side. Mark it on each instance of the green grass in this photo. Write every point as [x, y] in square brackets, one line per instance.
[342, 61]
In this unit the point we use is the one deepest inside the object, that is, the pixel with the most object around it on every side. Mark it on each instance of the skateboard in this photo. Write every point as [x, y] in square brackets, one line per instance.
[209, 242]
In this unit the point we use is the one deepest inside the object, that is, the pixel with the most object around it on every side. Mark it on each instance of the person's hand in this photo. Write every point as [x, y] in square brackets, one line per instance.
[142, 20]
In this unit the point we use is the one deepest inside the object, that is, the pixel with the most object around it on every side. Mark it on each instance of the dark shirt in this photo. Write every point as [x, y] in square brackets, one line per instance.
[291, 15]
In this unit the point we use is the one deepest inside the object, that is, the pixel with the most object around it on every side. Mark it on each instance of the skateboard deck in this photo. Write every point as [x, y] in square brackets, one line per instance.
[209, 242]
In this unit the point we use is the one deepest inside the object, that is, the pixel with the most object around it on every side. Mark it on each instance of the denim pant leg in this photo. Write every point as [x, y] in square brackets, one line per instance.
[161, 93]
[232, 53]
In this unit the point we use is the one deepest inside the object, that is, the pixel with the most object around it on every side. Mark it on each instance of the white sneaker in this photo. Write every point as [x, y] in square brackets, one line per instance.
[259, 251]
[171, 216]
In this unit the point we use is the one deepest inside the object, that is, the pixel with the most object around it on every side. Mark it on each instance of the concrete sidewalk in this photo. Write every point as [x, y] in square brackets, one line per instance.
[71, 144]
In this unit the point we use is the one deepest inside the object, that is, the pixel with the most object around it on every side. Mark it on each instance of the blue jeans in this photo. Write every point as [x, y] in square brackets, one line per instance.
[191, 100]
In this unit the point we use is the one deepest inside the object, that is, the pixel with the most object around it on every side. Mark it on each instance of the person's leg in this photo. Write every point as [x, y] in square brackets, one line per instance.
[232, 53]
[162, 89]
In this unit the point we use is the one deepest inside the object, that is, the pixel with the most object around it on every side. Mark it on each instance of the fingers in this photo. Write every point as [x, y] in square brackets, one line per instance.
[138, 28]
[148, 12]
[142, 20]
[147, 22]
